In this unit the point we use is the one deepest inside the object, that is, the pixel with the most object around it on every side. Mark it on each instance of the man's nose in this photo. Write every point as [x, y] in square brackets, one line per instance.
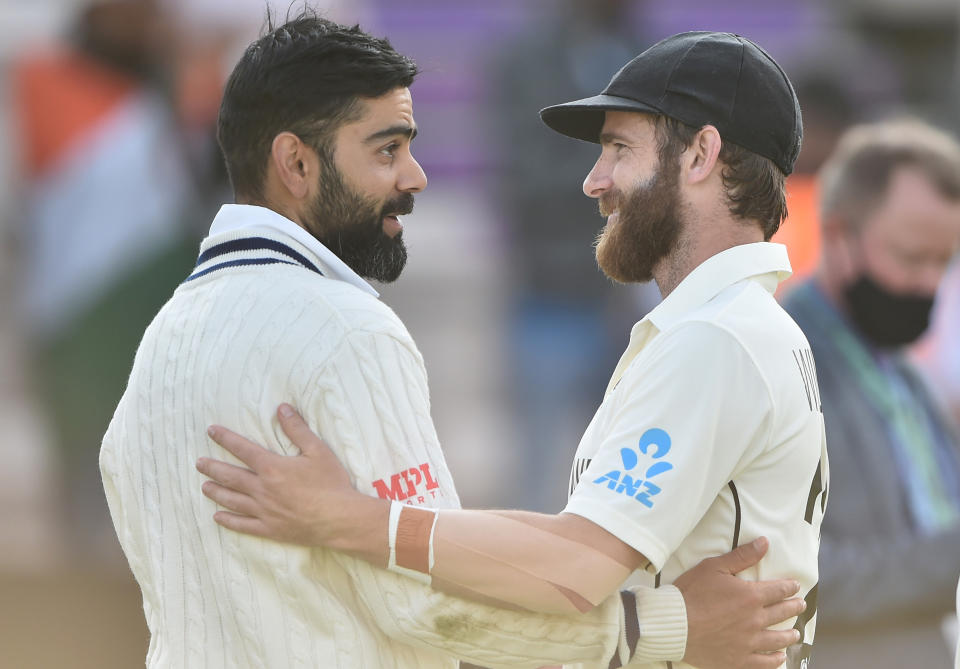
[413, 179]
[598, 181]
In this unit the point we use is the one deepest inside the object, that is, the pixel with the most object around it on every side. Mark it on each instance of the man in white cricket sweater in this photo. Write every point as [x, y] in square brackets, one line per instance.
[315, 126]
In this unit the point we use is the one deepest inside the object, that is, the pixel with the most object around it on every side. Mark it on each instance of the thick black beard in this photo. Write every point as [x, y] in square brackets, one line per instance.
[648, 229]
[351, 225]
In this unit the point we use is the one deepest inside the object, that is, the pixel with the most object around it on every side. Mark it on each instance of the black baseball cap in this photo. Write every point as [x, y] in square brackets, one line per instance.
[699, 78]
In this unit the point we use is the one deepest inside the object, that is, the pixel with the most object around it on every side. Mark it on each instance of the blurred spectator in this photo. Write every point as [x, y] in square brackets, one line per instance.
[566, 322]
[890, 552]
[938, 353]
[101, 225]
[827, 112]
[207, 38]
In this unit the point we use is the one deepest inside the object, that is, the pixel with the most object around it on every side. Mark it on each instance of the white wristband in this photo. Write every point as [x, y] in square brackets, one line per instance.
[392, 523]
[433, 529]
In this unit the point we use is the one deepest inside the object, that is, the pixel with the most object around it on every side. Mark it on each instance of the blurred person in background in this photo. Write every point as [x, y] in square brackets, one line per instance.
[208, 37]
[566, 321]
[101, 228]
[938, 353]
[890, 554]
[828, 111]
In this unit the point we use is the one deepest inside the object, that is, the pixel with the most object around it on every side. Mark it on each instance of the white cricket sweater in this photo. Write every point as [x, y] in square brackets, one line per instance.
[266, 319]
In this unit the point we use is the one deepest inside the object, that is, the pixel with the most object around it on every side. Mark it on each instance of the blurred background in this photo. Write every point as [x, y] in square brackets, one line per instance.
[110, 175]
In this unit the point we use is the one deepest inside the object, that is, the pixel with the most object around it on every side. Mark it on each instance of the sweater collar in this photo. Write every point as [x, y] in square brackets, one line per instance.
[236, 220]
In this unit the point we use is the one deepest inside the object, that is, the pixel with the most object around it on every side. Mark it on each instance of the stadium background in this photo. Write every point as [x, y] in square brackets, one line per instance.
[68, 602]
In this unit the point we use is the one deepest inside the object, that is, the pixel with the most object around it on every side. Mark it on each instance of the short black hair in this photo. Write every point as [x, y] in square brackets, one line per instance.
[307, 77]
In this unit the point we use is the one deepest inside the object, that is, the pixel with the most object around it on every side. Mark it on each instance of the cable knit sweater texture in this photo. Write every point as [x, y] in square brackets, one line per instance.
[228, 347]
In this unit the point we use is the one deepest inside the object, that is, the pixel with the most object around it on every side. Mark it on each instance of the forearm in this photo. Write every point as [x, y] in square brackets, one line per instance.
[507, 558]
[526, 559]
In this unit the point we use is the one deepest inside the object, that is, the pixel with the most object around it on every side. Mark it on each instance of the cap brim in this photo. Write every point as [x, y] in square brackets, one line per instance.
[583, 119]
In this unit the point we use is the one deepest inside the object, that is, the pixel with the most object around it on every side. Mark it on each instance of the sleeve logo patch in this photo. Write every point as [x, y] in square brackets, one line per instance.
[653, 445]
[413, 486]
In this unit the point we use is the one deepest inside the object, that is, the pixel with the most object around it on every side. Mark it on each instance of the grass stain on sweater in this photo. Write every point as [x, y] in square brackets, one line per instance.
[453, 626]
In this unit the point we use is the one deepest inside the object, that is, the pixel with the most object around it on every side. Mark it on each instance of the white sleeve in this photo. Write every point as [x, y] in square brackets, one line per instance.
[373, 408]
[413, 613]
[684, 417]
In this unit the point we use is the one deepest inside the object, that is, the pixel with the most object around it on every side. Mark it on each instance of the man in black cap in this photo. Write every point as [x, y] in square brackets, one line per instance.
[710, 434]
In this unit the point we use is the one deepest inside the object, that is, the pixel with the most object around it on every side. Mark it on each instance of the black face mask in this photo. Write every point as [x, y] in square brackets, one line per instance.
[884, 318]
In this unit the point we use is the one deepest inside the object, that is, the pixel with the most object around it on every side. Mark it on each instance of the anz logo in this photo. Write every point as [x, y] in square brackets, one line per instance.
[653, 445]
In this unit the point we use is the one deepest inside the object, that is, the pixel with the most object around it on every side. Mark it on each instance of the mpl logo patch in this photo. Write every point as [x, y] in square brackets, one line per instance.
[414, 485]
[654, 444]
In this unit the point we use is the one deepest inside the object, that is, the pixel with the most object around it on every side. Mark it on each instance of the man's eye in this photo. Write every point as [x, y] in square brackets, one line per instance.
[390, 149]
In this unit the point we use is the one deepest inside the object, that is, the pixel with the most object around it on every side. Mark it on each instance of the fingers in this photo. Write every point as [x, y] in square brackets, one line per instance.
[765, 660]
[781, 611]
[770, 640]
[771, 592]
[743, 557]
[299, 432]
[231, 476]
[230, 499]
[240, 523]
[246, 451]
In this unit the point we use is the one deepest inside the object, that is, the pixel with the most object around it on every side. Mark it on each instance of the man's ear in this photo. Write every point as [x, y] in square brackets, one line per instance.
[701, 156]
[836, 241]
[295, 164]
[832, 227]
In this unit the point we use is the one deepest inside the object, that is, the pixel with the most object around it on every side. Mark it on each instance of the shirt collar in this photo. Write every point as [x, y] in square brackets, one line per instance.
[764, 262]
[234, 217]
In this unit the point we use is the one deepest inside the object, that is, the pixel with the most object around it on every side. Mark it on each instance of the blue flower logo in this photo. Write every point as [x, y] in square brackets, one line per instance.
[654, 444]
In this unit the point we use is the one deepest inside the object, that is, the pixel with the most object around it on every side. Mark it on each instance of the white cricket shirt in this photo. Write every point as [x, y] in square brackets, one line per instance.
[711, 432]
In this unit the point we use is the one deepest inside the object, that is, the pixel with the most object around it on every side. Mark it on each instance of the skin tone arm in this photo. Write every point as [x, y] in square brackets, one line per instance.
[308, 500]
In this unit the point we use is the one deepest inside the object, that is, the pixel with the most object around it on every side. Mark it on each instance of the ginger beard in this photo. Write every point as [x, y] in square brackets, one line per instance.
[354, 225]
[643, 226]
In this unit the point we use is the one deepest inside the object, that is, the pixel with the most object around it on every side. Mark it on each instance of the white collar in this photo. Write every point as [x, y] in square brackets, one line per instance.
[765, 262]
[234, 217]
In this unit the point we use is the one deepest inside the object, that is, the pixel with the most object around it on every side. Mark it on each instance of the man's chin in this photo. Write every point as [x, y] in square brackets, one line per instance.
[618, 267]
[624, 275]
[387, 266]
[607, 261]
[385, 278]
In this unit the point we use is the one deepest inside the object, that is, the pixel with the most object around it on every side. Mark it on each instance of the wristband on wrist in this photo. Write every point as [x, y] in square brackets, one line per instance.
[433, 530]
[410, 539]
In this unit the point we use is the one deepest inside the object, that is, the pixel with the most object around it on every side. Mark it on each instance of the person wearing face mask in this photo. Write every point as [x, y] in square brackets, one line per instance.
[890, 551]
